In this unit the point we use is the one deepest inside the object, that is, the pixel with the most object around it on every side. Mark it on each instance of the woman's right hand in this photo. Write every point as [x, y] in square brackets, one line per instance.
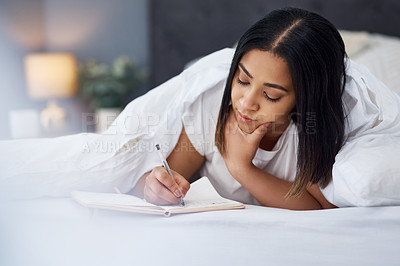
[161, 189]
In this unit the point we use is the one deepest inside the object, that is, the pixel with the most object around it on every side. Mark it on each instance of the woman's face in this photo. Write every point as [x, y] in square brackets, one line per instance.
[262, 92]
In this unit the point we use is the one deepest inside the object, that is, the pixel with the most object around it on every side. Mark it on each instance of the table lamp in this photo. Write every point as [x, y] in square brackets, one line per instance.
[51, 76]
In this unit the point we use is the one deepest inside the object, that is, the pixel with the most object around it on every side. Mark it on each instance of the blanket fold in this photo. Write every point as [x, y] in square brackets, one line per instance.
[31, 168]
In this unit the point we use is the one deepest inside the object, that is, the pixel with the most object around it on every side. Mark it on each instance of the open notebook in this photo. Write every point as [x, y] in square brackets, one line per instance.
[201, 197]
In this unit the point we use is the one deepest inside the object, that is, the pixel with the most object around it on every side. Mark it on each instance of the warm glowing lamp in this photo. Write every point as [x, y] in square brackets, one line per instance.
[51, 76]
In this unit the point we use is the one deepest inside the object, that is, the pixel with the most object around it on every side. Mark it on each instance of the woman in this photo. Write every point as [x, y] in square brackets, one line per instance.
[281, 123]
[299, 127]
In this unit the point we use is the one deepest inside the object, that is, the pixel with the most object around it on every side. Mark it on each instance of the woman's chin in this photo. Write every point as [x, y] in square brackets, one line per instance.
[246, 129]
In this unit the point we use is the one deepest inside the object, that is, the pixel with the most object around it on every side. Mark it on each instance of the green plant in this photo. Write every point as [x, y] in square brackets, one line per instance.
[109, 85]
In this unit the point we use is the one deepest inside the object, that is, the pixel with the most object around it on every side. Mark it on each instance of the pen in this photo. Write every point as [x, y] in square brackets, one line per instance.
[164, 162]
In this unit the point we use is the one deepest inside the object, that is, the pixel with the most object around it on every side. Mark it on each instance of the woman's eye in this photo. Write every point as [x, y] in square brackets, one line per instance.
[242, 82]
[265, 94]
[269, 98]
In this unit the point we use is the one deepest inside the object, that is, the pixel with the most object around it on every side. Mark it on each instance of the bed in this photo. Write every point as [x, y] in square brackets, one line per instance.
[59, 231]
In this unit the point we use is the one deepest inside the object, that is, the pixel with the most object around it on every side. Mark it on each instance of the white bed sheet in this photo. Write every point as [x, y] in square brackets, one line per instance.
[61, 232]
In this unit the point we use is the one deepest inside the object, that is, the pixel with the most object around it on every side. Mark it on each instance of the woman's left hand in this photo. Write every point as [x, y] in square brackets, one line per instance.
[240, 147]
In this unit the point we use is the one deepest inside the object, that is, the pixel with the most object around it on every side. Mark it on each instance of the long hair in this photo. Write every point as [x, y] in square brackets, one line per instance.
[314, 51]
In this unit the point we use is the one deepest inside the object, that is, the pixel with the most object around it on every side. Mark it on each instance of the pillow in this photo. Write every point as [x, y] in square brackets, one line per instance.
[354, 41]
[379, 53]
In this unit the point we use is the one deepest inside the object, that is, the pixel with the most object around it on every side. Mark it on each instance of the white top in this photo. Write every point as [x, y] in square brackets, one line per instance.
[200, 121]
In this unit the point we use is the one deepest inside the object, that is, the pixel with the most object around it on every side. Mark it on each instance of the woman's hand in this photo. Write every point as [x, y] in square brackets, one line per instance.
[161, 189]
[240, 147]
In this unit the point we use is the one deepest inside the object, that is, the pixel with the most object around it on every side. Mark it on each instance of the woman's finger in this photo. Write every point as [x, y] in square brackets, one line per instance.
[259, 133]
[165, 179]
[182, 182]
[151, 197]
[161, 194]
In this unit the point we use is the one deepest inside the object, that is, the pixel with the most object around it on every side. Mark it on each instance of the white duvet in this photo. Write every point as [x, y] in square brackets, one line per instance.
[94, 162]
[97, 162]
[61, 232]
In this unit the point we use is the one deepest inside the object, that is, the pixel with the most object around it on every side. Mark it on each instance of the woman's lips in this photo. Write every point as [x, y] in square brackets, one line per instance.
[248, 120]
[244, 118]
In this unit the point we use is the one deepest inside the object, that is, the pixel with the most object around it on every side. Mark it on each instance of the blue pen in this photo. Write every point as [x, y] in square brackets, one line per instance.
[164, 162]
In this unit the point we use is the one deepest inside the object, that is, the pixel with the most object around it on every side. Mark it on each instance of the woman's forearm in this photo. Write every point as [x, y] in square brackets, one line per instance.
[270, 191]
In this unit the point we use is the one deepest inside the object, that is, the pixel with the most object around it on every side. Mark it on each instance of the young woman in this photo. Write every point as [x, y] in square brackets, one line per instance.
[290, 102]
[285, 120]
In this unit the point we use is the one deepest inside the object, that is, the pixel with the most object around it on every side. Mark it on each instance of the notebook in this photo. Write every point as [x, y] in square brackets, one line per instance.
[201, 197]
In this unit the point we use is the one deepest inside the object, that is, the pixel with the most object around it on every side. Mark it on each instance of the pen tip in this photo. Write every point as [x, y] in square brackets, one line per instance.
[157, 147]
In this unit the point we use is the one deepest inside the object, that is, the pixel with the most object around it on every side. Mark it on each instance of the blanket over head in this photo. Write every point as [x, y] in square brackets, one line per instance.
[31, 168]
[361, 175]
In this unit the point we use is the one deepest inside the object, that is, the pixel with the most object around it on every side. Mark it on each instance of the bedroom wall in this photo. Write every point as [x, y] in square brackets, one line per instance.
[21, 32]
[183, 30]
[98, 29]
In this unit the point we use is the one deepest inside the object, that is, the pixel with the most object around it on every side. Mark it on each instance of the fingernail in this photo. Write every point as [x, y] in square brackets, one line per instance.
[177, 193]
[267, 124]
[184, 191]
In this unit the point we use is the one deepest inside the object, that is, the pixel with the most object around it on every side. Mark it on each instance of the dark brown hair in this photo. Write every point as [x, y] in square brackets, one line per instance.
[315, 54]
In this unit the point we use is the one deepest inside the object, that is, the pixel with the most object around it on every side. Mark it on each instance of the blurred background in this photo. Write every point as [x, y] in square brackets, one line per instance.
[71, 66]
[97, 33]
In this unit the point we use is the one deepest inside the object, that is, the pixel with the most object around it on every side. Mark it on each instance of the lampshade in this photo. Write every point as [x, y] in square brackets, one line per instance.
[51, 75]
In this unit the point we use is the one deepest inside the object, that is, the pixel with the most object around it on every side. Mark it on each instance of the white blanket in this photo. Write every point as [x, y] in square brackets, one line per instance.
[61, 232]
[94, 162]
[119, 157]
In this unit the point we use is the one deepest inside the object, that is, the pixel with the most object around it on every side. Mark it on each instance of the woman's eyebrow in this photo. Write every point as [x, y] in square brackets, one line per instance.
[245, 70]
[275, 86]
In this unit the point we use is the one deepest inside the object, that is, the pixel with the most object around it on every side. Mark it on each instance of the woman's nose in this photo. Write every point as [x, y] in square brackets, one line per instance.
[249, 100]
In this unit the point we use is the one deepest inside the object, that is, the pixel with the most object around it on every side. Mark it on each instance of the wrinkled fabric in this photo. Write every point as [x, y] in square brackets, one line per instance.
[366, 171]
[367, 168]
[32, 168]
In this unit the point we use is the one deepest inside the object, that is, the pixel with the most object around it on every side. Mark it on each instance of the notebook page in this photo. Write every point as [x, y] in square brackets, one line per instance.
[202, 195]
[109, 199]
[202, 190]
